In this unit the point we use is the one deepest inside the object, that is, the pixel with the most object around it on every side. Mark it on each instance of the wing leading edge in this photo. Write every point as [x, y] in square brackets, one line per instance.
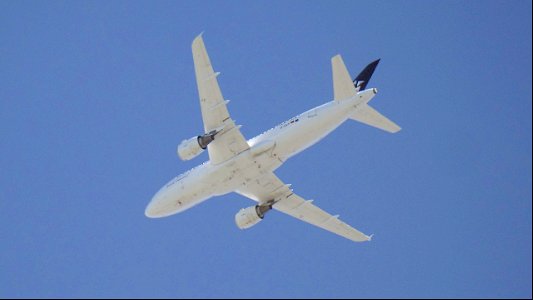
[269, 188]
[229, 141]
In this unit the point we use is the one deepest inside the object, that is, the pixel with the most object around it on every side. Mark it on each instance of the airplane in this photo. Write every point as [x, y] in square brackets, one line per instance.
[247, 166]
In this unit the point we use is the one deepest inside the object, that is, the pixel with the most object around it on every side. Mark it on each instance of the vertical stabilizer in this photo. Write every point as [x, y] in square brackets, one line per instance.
[363, 78]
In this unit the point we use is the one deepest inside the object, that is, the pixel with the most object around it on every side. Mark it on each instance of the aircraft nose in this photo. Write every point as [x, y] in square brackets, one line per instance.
[153, 209]
[150, 211]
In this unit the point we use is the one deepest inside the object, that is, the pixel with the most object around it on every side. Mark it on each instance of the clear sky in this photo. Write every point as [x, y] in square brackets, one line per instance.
[96, 95]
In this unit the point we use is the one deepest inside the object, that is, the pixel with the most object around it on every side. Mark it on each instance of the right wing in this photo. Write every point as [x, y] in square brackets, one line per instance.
[229, 141]
[269, 188]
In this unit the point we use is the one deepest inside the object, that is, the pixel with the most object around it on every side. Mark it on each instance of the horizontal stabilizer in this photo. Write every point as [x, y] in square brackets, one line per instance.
[343, 87]
[369, 116]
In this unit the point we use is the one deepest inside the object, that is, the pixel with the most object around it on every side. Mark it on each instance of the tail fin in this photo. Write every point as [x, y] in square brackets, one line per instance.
[363, 78]
[369, 116]
[343, 87]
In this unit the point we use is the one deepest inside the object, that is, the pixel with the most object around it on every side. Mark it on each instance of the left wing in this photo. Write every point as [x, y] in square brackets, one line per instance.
[229, 141]
[269, 188]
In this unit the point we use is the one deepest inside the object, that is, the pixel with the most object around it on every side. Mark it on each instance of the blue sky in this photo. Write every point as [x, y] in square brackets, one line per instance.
[96, 95]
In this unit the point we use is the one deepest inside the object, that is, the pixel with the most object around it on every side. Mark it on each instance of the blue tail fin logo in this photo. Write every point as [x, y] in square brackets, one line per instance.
[363, 78]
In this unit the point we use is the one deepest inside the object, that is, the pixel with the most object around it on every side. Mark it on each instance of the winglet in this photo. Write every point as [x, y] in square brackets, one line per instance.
[369, 237]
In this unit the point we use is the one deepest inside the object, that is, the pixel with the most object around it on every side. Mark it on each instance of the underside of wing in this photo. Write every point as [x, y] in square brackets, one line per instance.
[229, 141]
[297, 207]
[265, 189]
[269, 189]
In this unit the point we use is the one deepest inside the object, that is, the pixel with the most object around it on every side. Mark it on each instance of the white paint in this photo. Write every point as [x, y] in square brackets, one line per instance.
[249, 172]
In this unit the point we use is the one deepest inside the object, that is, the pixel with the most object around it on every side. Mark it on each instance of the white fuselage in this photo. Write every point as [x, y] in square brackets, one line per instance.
[267, 152]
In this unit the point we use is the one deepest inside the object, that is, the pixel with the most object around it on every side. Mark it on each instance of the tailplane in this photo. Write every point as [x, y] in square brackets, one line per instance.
[343, 87]
[369, 116]
[365, 113]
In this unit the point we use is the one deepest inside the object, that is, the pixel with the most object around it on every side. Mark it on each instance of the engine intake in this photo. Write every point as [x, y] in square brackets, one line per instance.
[248, 217]
[191, 148]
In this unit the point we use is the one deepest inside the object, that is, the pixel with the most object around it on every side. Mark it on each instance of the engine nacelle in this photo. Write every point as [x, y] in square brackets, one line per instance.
[189, 149]
[248, 217]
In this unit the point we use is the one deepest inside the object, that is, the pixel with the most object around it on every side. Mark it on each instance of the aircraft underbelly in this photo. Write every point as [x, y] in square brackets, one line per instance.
[312, 129]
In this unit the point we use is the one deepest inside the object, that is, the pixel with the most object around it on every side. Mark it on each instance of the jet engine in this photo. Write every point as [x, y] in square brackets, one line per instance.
[248, 217]
[189, 149]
